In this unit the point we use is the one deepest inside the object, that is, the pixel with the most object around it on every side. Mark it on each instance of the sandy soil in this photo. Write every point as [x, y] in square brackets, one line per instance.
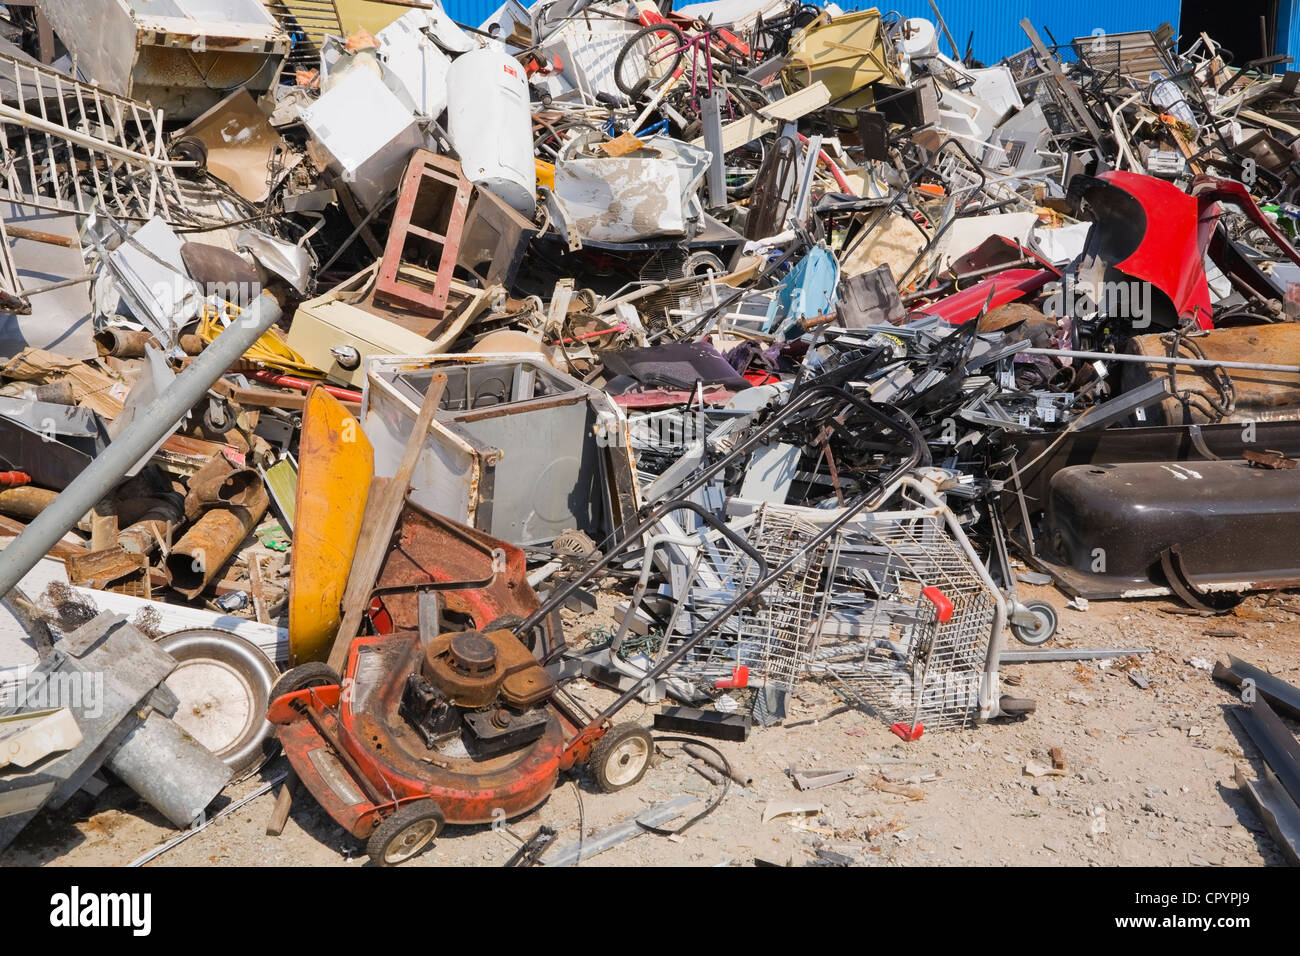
[1148, 777]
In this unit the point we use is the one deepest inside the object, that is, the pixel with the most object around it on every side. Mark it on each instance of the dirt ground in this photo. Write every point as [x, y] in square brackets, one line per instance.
[1148, 778]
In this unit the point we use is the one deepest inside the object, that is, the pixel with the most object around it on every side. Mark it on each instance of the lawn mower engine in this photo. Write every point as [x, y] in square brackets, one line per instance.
[481, 693]
[415, 736]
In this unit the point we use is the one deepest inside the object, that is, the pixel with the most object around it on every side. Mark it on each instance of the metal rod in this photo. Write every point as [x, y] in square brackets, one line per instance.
[1160, 360]
[189, 387]
[1070, 654]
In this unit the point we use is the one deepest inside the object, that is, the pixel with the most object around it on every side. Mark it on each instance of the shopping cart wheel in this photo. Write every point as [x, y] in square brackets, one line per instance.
[406, 833]
[621, 757]
[1044, 626]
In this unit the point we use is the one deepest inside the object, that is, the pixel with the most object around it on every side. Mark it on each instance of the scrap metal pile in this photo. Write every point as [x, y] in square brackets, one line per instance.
[770, 329]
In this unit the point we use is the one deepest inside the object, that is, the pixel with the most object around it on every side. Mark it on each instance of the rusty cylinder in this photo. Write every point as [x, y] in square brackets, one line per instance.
[124, 343]
[199, 556]
[220, 483]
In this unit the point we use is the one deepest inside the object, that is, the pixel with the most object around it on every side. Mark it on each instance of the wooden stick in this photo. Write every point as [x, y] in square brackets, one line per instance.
[383, 508]
[283, 801]
[20, 232]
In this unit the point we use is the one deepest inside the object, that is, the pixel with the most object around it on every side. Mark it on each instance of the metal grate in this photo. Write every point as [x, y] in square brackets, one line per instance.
[775, 637]
[308, 23]
[893, 651]
[71, 147]
[1137, 54]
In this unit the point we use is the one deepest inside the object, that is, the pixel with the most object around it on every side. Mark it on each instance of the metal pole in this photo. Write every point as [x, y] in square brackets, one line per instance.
[189, 387]
[1161, 360]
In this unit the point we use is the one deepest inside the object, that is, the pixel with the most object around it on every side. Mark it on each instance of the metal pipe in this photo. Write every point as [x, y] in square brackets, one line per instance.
[174, 773]
[212, 541]
[136, 441]
[1071, 654]
[301, 384]
[1159, 360]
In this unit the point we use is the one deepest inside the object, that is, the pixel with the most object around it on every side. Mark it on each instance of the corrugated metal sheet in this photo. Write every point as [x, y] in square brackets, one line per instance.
[472, 12]
[995, 23]
[1288, 33]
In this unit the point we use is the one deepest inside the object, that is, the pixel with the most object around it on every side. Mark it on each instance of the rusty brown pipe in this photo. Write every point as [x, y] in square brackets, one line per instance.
[28, 501]
[130, 343]
[220, 483]
[124, 343]
[211, 541]
[25, 501]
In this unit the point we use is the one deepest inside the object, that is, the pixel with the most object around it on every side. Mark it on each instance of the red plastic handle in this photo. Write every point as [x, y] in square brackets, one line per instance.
[941, 603]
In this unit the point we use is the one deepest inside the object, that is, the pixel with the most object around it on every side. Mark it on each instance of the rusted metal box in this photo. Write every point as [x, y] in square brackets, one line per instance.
[180, 56]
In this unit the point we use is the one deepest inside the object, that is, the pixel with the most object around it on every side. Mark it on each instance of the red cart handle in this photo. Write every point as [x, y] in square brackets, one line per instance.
[941, 603]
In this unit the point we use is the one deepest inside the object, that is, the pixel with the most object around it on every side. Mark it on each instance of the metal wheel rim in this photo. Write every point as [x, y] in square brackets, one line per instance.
[626, 760]
[1037, 633]
[410, 841]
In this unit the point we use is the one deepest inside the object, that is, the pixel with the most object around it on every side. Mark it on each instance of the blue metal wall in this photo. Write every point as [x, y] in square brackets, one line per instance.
[1288, 33]
[996, 22]
[472, 12]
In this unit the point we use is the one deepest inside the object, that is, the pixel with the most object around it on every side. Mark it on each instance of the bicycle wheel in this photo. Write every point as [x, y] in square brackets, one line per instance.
[649, 59]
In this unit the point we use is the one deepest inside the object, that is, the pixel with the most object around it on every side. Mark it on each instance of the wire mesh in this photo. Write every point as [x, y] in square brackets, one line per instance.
[892, 650]
[773, 637]
[71, 147]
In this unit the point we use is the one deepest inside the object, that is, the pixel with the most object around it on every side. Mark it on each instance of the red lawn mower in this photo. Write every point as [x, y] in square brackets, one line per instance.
[451, 713]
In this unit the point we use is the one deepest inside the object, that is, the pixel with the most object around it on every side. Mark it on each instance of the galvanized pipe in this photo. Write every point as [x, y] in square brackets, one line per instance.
[1160, 360]
[175, 773]
[86, 490]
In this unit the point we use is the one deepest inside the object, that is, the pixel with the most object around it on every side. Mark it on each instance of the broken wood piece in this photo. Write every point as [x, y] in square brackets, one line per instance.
[901, 789]
[283, 802]
[380, 520]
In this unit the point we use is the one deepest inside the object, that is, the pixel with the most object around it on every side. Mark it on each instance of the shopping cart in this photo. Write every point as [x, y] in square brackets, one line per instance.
[919, 644]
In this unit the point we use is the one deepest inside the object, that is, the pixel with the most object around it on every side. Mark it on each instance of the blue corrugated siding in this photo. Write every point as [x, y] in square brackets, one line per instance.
[1288, 33]
[996, 22]
[472, 12]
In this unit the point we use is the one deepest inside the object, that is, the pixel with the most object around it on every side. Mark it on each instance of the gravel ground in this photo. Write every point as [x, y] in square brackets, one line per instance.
[1148, 777]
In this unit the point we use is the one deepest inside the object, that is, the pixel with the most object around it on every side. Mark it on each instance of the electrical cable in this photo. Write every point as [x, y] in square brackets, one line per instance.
[716, 802]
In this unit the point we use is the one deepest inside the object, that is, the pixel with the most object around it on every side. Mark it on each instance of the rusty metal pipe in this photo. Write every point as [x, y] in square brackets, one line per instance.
[124, 343]
[221, 483]
[200, 555]
[135, 441]
[25, 501]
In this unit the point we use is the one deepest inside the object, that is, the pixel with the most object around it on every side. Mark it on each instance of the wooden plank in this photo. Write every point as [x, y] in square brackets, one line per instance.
[61, 550]
[799, 104]
[739, 132]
